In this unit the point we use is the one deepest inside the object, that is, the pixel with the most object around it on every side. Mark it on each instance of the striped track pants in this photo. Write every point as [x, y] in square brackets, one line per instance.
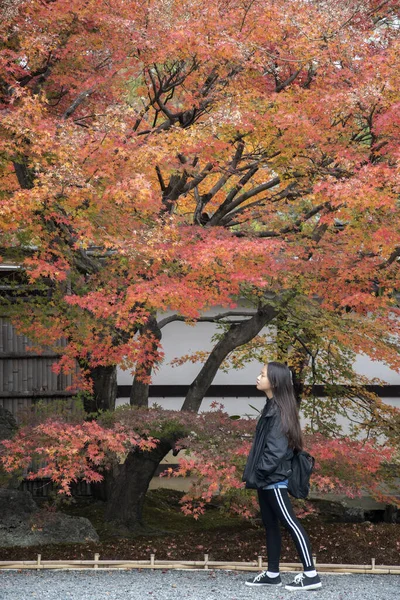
[276, 508]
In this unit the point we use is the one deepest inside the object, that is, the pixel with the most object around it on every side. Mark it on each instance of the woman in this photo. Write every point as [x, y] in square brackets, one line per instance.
[268, 467]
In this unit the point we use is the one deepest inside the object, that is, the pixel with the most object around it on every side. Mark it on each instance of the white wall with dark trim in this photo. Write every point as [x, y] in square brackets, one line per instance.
[181, 339]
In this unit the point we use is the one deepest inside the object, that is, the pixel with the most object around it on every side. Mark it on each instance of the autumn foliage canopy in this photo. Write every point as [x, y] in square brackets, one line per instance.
[173, 155]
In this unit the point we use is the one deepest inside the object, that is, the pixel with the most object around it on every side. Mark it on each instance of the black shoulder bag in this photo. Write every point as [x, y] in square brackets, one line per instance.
[299, 480]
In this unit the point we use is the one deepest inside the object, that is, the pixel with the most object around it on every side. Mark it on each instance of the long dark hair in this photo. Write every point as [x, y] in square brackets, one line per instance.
[280, 378]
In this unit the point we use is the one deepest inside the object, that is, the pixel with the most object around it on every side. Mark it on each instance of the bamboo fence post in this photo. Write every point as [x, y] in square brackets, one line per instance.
[96, 561]
[260, 563]
[152, 556]
[372, 564]
[39, 558]
[315, 560]
[206, 561]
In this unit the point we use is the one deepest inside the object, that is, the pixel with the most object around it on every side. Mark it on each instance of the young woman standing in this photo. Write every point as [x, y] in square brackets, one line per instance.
[267, 469]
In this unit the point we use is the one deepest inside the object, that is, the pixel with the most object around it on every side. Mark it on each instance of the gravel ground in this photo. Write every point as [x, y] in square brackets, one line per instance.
[182, 585]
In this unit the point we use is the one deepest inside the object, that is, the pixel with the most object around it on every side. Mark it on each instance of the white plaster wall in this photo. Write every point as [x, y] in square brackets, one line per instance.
[365, 366]
[181, 339]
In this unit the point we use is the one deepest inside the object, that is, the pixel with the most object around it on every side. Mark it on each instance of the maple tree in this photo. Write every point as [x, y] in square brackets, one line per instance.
[213, 446]
[176, 156]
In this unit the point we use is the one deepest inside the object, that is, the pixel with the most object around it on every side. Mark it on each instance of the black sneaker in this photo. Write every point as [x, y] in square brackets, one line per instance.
[304, 582]
[263, 579]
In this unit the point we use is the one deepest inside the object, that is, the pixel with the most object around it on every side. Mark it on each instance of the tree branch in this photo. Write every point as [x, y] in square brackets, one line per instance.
[289, 192]
[392, 258]
[227, 207]
[198, 179]
[214, 319]
[289, 228]
[204, 199]
[289, 80]
[77, 102]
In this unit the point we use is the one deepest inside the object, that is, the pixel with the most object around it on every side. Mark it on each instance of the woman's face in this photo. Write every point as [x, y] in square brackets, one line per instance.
[263, 383]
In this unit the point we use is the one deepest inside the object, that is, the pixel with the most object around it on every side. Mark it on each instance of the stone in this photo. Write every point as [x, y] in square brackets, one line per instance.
[15, 504]
[340, 510]
[352, 514]
[392, 513]
[22, 523]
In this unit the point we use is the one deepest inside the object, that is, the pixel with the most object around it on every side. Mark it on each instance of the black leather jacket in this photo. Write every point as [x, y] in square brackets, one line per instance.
[270, 458]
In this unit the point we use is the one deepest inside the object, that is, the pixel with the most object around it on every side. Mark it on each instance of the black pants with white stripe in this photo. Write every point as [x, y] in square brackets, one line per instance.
[276, 508]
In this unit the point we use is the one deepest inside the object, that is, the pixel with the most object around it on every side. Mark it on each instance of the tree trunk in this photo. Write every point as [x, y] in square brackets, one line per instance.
[237, 335]
[140, 392]
[128, 485]
[24, 174]
[104, 389]
[139, 395]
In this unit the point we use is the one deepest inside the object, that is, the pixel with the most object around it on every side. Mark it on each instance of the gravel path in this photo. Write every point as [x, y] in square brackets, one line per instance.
[182, 585]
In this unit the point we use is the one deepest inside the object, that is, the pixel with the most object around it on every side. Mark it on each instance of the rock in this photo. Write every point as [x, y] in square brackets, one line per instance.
[340, 511]
[352, 514]
[392, 513]
[22, 523]
[16, 504]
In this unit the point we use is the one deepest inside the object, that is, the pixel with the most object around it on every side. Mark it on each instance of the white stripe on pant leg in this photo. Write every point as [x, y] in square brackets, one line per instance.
[295, 527]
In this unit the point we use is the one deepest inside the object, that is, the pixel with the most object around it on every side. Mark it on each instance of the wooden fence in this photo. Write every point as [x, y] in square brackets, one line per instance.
[42, 488]
[206, 564]
[25, 375]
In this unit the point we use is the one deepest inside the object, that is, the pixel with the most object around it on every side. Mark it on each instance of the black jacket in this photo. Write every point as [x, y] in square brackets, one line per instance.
[270, 458]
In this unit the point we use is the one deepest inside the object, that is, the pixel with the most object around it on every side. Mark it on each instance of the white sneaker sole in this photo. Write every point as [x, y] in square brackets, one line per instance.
[305, 588]
[263, 584]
